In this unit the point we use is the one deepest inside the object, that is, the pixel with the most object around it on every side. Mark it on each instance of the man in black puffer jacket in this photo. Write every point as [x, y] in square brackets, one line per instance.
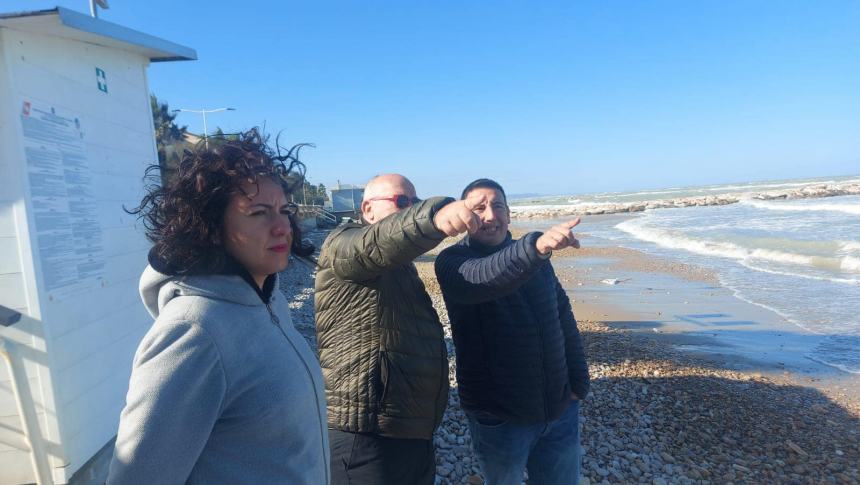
[521, 367]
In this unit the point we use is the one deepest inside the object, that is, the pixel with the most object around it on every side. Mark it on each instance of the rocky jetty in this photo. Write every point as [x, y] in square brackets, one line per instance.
[805, 192]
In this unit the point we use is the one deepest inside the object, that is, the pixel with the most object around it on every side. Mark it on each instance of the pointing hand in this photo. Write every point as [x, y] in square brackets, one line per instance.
[457, 217]
[558, 237]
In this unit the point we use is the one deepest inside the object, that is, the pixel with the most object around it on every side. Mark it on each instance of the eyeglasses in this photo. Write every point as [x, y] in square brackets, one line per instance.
[400, 200]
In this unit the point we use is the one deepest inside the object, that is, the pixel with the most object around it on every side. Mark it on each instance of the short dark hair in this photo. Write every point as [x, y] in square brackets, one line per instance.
[183, 214]
[484, 184]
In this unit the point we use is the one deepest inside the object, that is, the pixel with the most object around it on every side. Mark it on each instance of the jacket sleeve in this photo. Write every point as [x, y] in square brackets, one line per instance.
[577, 367]
[363, 253]
[175, 396]
[470, 280]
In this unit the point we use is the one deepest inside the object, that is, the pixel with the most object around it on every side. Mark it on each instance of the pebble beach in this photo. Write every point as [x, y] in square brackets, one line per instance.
[658, 415]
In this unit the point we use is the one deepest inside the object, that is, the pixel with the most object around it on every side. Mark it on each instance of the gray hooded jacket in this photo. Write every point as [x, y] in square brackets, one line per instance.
[223, 390]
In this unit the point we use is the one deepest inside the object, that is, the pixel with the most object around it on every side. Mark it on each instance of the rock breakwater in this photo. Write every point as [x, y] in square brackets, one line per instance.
[805, 192]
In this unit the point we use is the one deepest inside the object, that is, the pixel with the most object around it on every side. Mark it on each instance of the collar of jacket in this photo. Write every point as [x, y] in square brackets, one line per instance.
[485, 249]
[231, 267]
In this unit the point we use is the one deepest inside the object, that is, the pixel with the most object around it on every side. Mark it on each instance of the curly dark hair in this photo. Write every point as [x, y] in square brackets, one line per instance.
[183, 211]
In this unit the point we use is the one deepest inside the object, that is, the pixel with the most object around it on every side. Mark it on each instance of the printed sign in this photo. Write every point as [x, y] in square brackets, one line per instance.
[68, 233]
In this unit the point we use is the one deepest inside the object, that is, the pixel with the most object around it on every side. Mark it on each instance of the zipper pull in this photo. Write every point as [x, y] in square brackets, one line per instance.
[275, 319]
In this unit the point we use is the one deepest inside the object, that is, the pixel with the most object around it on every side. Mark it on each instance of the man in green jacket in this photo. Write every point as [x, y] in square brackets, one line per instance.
[380, 342]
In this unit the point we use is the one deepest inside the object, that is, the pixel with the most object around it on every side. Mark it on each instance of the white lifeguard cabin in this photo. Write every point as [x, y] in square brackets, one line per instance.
[76, 134]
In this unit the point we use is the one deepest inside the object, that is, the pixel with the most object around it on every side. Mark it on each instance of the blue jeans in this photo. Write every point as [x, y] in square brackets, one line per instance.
[550, 451]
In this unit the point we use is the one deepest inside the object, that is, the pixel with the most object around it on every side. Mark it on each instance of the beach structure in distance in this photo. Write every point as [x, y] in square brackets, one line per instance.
[76, 134]
[346, 200]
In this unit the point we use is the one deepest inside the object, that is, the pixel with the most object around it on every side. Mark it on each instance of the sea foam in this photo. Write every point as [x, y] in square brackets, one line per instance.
[676, 240]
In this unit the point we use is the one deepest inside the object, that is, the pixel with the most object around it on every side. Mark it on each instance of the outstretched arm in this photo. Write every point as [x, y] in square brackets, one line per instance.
[362, 253]
[469, 280]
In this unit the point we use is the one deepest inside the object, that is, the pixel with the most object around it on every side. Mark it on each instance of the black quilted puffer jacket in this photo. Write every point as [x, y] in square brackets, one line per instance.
[379, 339]
[519, 352]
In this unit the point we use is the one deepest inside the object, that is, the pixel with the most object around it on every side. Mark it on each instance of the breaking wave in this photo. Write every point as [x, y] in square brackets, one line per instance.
[723, 249]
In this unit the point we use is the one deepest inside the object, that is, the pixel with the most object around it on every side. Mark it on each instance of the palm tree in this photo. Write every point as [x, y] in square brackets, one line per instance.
[167, 135]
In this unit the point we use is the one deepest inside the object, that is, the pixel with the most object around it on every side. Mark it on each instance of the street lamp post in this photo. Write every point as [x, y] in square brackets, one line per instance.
[94, 7]
[203, 112]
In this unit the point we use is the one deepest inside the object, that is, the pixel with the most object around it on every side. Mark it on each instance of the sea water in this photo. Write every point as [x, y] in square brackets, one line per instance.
[800, 257]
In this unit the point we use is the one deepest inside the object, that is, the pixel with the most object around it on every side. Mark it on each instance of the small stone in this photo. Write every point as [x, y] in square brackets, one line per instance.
[793, 447]
[843, 478]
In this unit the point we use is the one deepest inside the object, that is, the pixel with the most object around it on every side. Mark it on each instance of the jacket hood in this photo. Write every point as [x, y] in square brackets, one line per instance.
[158, 289]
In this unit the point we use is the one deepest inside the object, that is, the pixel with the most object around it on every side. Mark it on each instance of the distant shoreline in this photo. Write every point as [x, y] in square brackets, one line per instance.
[812, 190]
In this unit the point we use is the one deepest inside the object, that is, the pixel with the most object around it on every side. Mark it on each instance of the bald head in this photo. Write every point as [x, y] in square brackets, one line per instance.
[388, 184]
[373, 207]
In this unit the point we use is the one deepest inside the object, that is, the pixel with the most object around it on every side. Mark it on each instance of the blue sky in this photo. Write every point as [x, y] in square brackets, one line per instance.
[546, 97]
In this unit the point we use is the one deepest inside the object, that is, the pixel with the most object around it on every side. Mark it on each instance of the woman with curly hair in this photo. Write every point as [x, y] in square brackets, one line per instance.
[223, 388]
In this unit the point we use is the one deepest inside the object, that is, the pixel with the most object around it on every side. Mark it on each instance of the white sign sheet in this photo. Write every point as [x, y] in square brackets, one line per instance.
[68, 233]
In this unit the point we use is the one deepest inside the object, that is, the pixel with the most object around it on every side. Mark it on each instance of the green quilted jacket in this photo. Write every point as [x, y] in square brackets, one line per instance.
[379, 339]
